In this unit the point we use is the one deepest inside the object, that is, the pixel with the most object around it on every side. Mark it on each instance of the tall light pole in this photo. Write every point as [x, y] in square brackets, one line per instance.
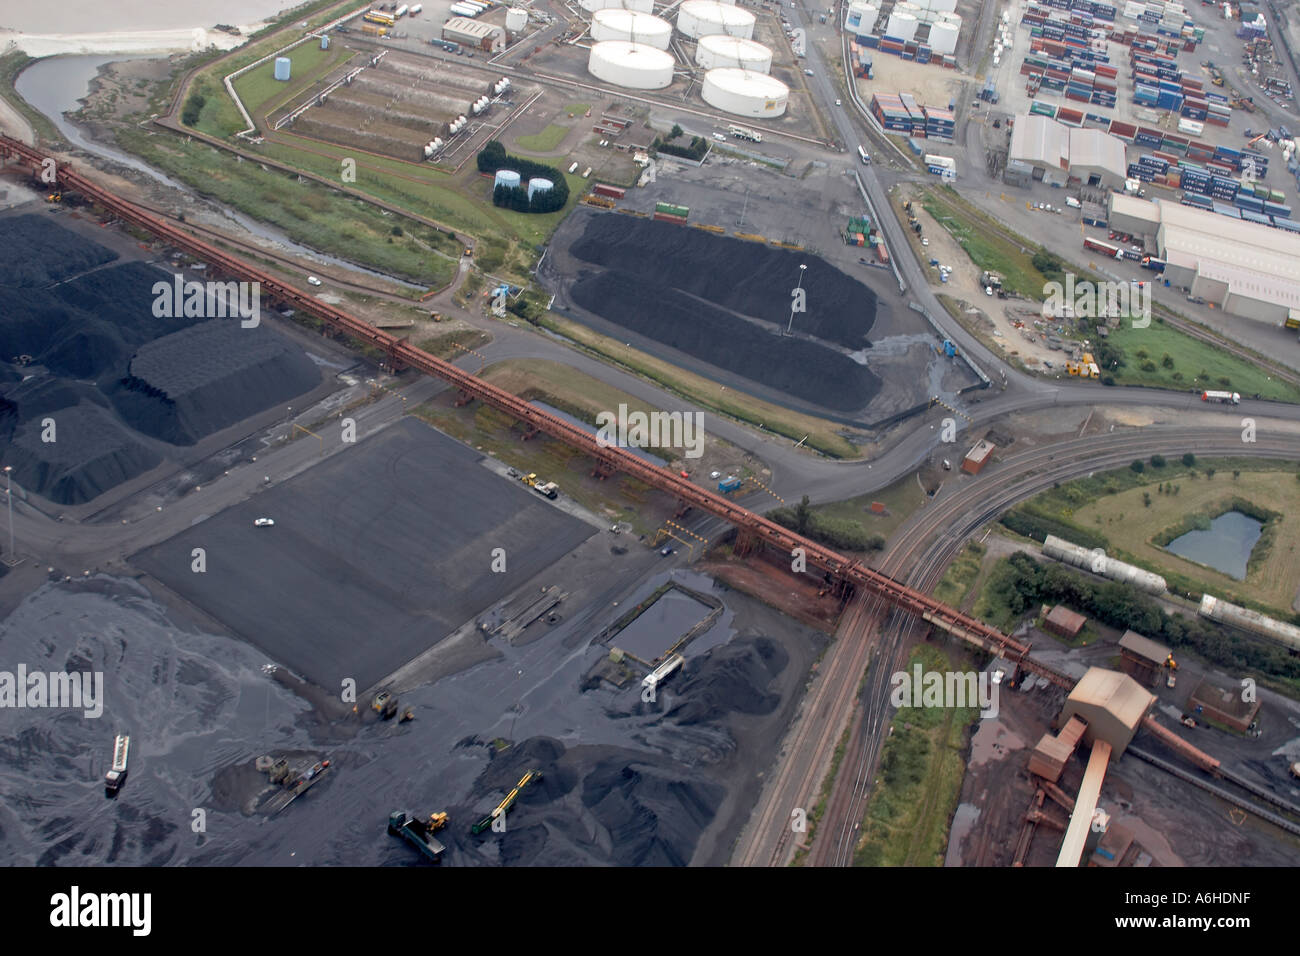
[10, 498]
[794, 298]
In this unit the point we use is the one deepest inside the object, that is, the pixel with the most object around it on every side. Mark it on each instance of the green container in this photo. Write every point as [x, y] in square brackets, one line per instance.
[1276, 196]
[1261, 192]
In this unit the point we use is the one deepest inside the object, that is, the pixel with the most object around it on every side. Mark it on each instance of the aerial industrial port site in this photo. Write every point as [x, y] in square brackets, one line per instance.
[624, 433]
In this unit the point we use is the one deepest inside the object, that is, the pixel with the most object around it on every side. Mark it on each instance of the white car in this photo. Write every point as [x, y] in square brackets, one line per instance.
[263, 522]
[312, 280]
[837, 103]
[925, 242]
[807, 72]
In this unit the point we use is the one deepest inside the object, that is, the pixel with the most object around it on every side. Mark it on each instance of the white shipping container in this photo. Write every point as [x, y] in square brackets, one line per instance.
[1193, 127]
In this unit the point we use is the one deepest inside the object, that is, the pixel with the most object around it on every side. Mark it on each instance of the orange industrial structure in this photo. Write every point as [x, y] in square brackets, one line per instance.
[400, 355]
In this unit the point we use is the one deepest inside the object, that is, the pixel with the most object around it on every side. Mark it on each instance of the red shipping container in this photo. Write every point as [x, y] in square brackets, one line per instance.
[1101, 69]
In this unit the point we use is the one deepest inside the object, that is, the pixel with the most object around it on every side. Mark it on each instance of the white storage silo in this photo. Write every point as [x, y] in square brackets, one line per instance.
[699, 18]
[867, 14]
[640, 6]
[718, 51]
[516, 19]
[745, 93]
[943, 36]
[632, 65]
[539, 185]
[902, 25]
[631, 27]
[282, 67]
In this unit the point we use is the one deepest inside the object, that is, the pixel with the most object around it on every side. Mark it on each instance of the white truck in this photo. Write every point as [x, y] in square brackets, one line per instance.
[1228, 398]
[116, 776]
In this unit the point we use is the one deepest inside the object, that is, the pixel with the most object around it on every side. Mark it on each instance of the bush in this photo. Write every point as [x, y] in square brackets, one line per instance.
[1189, 459]
[1137, 467]
[1034, 524]
[1157, 461]
[193, 107]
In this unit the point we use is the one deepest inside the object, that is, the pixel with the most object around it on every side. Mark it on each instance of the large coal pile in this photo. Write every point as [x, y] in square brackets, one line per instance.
[741, 276]
[197, 381]
[91, 451]
[795, 366]
[109, 371]
[598, 804]
[41, 252]
[731, 679]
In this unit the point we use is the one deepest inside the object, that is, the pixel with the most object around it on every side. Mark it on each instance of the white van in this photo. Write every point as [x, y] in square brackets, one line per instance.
[864, 156]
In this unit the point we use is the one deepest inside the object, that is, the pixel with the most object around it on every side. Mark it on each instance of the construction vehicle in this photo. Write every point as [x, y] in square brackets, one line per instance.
[384, 704]
[529, 479]
[504, 806]
[436, 316]
[948, 348]
[54, 197]
[1086, 367]
[1172, 665]
[116, 776]
[419, 834]
[992, 280]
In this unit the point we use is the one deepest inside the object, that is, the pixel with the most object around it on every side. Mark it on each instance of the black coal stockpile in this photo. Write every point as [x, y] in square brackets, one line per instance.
[38, 252]
[744, 277]
[192, 383]
[794, 366]
[90, 353]
[730, 680]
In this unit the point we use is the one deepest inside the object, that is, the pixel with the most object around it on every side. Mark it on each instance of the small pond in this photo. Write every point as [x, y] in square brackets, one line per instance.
[1225, 546]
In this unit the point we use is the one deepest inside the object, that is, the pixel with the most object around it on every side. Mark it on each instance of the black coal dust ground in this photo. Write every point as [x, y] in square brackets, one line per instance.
[720, 306]
[80, 345]
[624, 782]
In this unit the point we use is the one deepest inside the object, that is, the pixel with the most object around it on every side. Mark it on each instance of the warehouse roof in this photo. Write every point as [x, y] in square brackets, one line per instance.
[1096, 149]
[469, 27]
[1144, 647]
[1122, 204]
[1040, 140]
[1116, 693]
[1069, 621]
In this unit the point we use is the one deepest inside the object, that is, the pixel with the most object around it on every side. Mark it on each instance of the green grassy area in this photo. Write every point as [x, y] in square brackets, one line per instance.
[452, 344]
[11, 64]
[828, 782]
[822, 435]
[307, 212]
[900, 499]
[575, 109]
[543, 142]
[921, 771]
[1191, 364]
[987, 248]
[960, 575]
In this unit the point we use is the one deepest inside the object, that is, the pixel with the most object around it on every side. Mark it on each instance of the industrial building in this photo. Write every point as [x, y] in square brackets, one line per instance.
[1057, 153]
[1111, 704]
[1244, 268]
[635, 66]
[631, 27]
[978, 457]
[472, 33]
[1063, 622]
[1225, 706]
[1142, 658]
[745, 93]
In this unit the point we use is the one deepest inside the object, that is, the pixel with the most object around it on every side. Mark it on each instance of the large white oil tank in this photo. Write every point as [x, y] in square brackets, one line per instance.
[632, 65]
[539, 185]
[640, 6]
[282, 67]
[632, 27]
[745, 93]
[699, 18]
[516, 19]
[943, 36]
[902, 25]
[717, 51]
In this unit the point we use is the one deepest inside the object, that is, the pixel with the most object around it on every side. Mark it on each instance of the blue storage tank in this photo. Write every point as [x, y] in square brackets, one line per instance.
[539, 185]
[282, 68]
[506, 177]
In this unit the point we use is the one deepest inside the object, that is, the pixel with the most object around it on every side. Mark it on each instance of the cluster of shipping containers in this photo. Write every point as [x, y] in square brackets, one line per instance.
[906, 49]
[858, 232]
[861, 60]
[1158, 82]
[900, 113]
[669, 212]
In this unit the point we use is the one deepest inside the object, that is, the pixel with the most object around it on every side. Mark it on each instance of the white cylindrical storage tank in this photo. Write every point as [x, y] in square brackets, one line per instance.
[745, 93]
[631, 27]
[717, 51]
[536, 186]
[506, 177]
[902, 25]
[699, 18]
[640, 6]
[866, 14]
[516, 19]
[943, 37]
[282, 67]
[632, 65]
